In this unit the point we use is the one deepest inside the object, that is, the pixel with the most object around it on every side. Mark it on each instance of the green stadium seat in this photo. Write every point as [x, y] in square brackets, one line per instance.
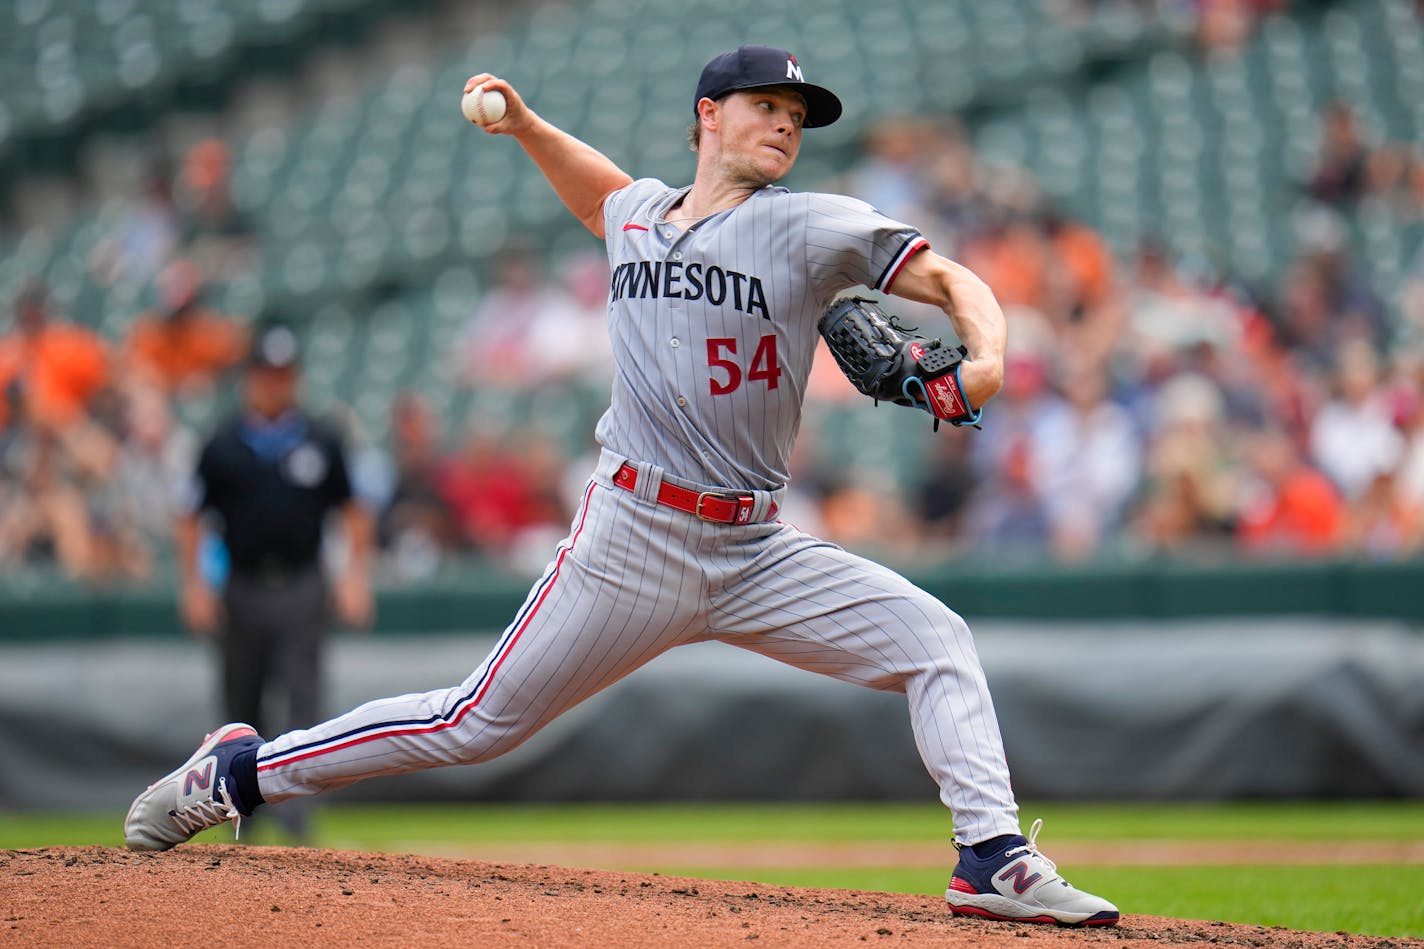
[389, 191]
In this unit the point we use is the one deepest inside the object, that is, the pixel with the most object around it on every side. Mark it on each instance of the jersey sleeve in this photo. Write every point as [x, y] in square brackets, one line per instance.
[625, 206]
[336, 487]
[849, 243]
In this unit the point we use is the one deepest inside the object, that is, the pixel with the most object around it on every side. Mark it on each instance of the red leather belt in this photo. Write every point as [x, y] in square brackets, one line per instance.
[720, 507]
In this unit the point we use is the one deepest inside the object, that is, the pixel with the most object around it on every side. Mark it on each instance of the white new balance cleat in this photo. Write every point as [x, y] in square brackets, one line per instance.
[1018, 883]
[198, 795]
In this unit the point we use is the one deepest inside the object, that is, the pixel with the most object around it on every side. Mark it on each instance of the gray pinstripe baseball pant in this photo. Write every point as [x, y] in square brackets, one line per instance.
[634, 579]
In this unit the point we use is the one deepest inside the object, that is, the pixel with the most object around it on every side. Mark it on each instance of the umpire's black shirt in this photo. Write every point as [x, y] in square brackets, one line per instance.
[273, 483]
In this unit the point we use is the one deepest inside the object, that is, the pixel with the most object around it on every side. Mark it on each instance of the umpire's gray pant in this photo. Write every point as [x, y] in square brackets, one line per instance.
[272, 648]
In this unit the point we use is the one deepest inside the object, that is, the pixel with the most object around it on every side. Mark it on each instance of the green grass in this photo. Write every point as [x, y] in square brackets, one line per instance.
[1375, 900]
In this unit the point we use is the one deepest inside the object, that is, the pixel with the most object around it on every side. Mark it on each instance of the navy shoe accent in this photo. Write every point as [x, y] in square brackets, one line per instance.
[242, 769]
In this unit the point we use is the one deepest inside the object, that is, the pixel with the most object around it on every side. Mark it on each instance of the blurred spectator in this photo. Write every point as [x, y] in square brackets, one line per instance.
[182, 345]
[68, 506]
[1008, 519]
[118, 549]
[953, 196]
[568, 339]
[1168, 311]
[477, 485]
[1339, 175]
[494, 346]
[217, 235]
[58, 439]
[811, 471]
[1085, 464]
[944, 498]
[146, 236]
[1353, 439]
[1324, 300]
[154, 457]
[1189, 496]
[542, 463]
[1411, 300]
[1010, 253]
[1008, 515]
[860, 508]
[1224, 26]
[417, 526]
[1382, 524]
[1287, 507]
[1026, 398]
[500, 490]
[1082, 285]
[1410, 484]
[51, 368]
[891, 175]
[43, 516]
[1349, 168]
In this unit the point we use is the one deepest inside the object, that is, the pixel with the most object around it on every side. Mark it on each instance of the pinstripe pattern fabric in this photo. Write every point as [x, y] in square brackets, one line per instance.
[765, 268]
[635, 579]
[714, 331]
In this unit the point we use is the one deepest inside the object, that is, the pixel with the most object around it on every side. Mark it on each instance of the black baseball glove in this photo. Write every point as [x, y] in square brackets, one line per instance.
[890, 364]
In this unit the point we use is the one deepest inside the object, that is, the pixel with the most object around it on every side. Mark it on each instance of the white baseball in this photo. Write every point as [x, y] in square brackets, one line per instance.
[483, 106]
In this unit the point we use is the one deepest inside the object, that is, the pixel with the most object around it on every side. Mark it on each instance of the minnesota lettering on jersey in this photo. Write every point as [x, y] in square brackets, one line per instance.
[642, 279]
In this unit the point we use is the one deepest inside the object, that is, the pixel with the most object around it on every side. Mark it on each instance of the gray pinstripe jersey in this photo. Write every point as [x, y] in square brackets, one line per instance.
[714, 329]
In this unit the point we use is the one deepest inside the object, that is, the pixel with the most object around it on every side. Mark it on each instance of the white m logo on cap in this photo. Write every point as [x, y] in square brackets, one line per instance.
[793, 71]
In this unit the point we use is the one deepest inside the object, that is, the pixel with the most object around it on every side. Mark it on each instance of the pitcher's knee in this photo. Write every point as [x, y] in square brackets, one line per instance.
[483, 739]
[946, 644]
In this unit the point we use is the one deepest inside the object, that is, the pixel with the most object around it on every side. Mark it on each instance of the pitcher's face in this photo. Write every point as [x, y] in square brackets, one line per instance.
[760, 133]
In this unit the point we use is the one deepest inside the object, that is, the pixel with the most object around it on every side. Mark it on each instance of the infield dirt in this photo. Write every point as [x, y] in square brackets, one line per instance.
[260, 896]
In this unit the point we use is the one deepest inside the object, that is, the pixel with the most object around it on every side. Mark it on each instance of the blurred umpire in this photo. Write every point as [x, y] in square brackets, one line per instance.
[272, 474]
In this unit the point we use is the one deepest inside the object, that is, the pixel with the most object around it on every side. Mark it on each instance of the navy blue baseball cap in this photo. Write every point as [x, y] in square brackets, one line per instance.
[751, 67]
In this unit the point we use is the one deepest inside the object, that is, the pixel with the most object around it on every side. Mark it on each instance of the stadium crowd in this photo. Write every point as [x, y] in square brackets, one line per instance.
[1153, 404]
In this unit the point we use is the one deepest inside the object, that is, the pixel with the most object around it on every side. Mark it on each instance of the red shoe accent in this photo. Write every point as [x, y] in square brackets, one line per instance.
[985, 914]
[961, 885]
[240, 733]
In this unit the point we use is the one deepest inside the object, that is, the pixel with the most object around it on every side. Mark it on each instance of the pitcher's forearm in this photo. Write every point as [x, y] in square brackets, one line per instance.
[979, 322]
[581, 175]
[973, 311]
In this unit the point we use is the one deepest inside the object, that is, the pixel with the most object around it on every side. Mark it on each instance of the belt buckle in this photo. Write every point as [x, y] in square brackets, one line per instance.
[722, 496]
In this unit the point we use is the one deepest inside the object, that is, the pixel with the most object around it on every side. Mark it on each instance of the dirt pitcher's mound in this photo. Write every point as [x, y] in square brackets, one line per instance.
[264, 896]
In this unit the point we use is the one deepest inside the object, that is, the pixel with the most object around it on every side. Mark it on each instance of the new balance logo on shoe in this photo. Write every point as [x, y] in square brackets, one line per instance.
[1020, 874]
[201, 779]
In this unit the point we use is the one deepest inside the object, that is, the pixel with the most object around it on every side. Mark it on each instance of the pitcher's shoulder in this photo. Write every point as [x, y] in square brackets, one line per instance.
[633, 206]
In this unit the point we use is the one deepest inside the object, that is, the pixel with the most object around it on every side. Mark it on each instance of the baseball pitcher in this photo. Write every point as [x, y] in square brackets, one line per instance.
[720, 291]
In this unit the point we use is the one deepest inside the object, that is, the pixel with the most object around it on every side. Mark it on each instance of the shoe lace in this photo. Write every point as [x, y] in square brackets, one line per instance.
[200, 815]
[1031, 847]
